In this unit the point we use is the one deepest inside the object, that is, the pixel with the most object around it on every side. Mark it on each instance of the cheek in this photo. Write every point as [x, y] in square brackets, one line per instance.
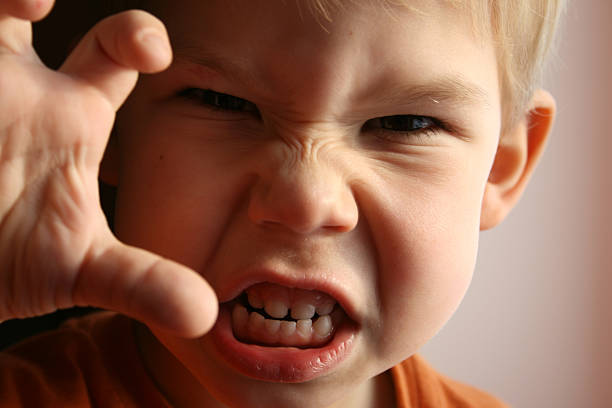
[169, 194]
[426, 235]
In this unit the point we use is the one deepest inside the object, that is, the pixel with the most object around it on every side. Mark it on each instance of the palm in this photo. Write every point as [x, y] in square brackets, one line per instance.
[48, 178]
[55, 247]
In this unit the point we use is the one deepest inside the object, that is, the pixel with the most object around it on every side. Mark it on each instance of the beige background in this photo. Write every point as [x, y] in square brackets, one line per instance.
[536, 326]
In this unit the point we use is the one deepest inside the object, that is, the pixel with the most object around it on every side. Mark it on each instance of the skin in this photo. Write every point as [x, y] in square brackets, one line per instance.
[302, 189]
[56, 249]
[309, 190]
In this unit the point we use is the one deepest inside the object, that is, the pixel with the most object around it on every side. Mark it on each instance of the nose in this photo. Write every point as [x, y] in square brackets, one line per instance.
[304, 197]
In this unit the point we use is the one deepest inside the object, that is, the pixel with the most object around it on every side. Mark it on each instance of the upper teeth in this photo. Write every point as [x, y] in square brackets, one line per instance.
[276, 308]
[279, 301]
[301, 310]
[255, 300]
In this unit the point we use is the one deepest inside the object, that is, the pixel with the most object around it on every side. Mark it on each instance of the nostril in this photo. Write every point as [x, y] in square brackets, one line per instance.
[338, 228]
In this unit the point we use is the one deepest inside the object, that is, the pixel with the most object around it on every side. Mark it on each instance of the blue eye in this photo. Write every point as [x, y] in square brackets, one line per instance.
[218, 101]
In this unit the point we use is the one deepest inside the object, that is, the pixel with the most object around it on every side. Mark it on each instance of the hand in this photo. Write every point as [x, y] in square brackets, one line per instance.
[56, 250]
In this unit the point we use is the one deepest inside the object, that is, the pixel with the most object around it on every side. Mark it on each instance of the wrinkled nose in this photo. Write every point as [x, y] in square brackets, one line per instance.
[304, 198]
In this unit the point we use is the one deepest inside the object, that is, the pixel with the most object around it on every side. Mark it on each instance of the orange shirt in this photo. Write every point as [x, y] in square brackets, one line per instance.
[417, 384]
[94, 361]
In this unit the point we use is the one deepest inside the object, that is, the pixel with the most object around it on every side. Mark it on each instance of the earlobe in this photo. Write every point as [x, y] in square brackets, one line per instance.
[517, 155]
[109, 167]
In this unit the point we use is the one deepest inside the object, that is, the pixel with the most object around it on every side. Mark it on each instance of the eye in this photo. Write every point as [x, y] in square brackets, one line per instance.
[218, 101]
[405, 128]
[405, 123]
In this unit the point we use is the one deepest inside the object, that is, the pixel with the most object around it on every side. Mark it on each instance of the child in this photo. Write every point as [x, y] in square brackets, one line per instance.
[325, 166]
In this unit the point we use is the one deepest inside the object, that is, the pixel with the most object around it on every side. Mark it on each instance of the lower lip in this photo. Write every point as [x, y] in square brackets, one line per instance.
[280, 364]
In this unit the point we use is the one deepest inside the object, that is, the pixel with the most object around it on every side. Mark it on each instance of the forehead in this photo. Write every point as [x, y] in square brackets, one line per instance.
[257, 24]
[352, 48]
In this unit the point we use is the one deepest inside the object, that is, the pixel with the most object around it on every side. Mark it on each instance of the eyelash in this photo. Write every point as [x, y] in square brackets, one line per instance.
[218, 101]
[395, 128]
[398, 128]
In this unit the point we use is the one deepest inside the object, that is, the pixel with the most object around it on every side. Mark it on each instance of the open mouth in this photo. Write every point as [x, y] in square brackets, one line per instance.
[272, 315]
[277, 333]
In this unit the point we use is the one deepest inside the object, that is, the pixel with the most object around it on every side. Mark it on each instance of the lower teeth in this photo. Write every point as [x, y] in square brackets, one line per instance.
[252, 327]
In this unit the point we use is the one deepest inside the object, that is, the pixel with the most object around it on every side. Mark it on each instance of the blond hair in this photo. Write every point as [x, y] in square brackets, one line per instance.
[524, 33]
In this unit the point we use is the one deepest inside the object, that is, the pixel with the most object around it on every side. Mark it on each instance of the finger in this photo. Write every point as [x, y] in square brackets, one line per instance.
[110, 56]
[163, 294]
[15, 27]
[31, 10]
[15, 35]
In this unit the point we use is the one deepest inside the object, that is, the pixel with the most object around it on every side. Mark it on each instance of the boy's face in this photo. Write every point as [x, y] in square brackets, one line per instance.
[305, 187]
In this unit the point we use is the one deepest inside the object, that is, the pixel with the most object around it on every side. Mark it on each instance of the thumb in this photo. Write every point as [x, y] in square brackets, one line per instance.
[112, 53]
[161, 293]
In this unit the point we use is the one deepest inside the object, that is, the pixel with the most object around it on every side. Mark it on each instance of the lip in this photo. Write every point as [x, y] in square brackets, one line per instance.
[281, 364]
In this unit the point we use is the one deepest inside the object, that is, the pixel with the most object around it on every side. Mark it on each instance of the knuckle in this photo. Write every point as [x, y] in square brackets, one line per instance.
[132, 20]
[125, 29]
[123, 38]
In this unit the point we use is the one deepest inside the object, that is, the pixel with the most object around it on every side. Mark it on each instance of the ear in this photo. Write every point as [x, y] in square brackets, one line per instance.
[517, 155]
[109, 167]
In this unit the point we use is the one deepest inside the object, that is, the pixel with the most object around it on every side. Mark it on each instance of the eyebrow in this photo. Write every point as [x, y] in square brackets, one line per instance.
[452, 91]
[235, 68]
[445, 90]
